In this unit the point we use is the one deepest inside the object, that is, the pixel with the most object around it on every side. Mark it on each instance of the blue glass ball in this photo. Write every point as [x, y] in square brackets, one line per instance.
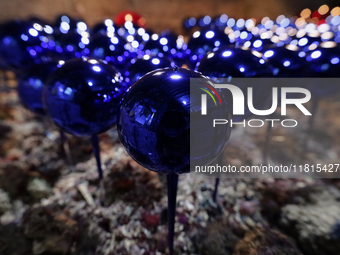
[228, 62]
[324, 61]
[165, 43]
[140, 35]
[201, 42]
[304, 41]
[258, 44]
[204, 21]
[233, 62]
[31, 83]
[244, 39]
[82, 96]
[3, 63]
[154, 122]
[139, 67]
[71, 45]
[65, 18]
[285, 61]
[222, 21]
[102, 46]
[64, 24]
[21, 43]
[114, 49]
[188, 23]
[105, 27]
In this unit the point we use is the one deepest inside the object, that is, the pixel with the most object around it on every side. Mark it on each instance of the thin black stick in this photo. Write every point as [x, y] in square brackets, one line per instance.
[214, 194]
[172, 194]
[96, 151]
[219, 161]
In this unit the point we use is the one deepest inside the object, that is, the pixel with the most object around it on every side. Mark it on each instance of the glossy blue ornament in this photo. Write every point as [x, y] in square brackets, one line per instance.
[221, 21]
[189, 23]
[64, 24]
[139, 67]
[72, 45]
[31, 83]
[112, 49]
[258, 44]
[230, 62]
[103, 46]
[22, 43]
[165, 43]
[105, 27]
[204, 21]
[154, 127]
[3, 63]
[154, 122]
[324, 62]
[234, 62]
[201, 42]
[308, 41]
[82, 96]
[244, 38]
[285, 61]
[100, 28]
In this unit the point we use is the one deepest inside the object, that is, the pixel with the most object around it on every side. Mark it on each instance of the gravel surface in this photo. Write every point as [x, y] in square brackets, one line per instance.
[48, 206]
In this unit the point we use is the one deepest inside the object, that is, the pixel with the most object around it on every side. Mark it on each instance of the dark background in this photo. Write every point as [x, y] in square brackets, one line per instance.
[159, 14]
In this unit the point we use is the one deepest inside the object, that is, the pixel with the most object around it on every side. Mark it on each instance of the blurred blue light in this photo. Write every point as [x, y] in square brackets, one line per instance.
[316, 54]
[269, 54]
[227, 53]
[210, 34]
[155, 61]
[96, 69]
[335, 60]
[286, 63]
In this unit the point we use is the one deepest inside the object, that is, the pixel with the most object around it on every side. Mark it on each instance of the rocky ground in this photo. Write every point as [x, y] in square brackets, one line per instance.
[50, 207]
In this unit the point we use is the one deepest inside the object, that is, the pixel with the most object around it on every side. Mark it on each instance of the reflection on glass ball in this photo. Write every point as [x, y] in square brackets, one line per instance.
[82, 96]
